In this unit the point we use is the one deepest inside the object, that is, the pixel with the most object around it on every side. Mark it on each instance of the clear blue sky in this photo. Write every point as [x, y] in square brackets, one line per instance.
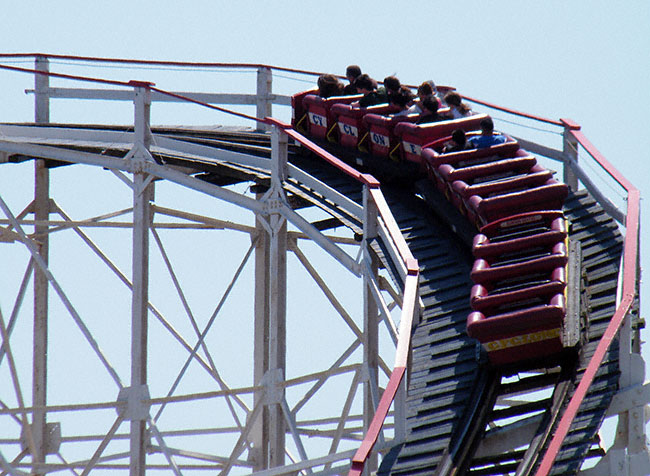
[584, 60]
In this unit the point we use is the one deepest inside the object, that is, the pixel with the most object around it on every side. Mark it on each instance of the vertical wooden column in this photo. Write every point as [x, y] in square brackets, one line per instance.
[630, 431]
[370, 317]
[142, 196]
[264, 102]
[41, 209]
[260, 430]
[277, 293]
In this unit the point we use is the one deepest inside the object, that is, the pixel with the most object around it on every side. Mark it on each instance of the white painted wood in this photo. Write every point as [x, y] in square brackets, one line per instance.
[618, 462]
[142, 196]
[44, 134]
[329, 193]
[274, 213]
[277, 292]
[393, 251]
[315, 235]
[508, 437]
[210, 152]
[127, 95]
[603, 201]
[165, 450]
[542, 150]
[384, 310]
[59, 291]
[370, 314]
[628, 398]
[259, 430]
[573, 172]
[293, 429]
[345, 413]
[41, 206]
[334, 368]
[41, 90]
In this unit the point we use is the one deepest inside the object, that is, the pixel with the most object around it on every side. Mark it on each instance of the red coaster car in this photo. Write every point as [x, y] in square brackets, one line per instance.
[414, 137]
[516, 267]
[381, 133]
[298, 111]
[467, 182]
[491, 300]
[520, 232]
[549, 196]
[318, 112]
[352, 130]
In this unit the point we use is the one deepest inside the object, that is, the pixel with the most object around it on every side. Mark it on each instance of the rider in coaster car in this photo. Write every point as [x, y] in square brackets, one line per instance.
[487, 137]
[368, 87]
[457, 143]
[457, 106]
[430, 111]
[402, 98]
[425, 90]
[352, 72]
[329, 85]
